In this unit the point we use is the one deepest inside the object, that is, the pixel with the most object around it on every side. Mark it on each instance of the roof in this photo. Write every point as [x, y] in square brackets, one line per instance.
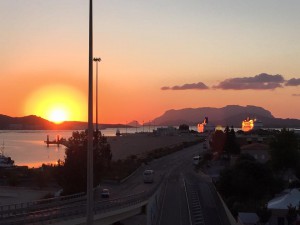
[248, 218]
[290, 198]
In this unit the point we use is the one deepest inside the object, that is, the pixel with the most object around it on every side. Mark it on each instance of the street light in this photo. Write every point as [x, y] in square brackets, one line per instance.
[90, 200]
[97, 60]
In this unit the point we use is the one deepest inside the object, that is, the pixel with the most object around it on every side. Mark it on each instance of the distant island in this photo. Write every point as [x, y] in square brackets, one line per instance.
[231, 115]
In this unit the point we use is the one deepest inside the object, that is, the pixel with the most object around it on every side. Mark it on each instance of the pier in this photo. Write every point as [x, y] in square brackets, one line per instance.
[58, 141]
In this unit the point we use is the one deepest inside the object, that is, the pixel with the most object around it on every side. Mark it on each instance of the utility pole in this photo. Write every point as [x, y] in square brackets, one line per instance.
[90, 196]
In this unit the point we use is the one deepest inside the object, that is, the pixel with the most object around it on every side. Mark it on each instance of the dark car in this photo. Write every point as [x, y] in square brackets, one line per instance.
[105, 193]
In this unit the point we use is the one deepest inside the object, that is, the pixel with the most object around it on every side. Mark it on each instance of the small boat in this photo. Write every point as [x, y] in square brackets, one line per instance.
[5, 162]
[118, 133]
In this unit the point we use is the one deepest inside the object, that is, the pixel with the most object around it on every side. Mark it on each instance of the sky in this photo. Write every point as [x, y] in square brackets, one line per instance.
[156, 55]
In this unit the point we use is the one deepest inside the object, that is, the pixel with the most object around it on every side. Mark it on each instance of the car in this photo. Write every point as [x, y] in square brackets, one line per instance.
[148, 176]
[105, 193]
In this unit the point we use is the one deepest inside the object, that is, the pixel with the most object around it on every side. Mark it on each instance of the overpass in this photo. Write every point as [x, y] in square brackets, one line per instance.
[71, 210]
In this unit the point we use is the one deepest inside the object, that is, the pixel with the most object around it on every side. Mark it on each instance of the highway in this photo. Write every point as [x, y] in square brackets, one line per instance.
[189, 198]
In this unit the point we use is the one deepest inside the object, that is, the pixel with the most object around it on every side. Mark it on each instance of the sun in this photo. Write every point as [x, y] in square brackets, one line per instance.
[57, 103]
[58, 115]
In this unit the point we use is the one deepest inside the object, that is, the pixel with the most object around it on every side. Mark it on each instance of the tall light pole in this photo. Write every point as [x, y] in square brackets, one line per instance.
[90, 200]
[97, 60]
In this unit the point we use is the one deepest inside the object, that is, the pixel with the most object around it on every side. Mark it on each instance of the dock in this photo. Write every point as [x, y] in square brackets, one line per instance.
[58, 141]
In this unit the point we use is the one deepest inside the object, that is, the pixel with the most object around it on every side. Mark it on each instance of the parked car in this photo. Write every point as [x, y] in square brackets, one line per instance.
[105, 193]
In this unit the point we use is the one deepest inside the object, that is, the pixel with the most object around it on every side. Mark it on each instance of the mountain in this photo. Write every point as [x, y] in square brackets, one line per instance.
[25, 123]
[231, 115]
[37, 123]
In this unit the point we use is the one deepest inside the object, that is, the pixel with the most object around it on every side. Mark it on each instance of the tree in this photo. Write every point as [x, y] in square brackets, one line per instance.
[184, 127]
[74, 170]
[284, 150]
[217, 141]
[264, 214]
[291, 215]
[247, 179]
[231, 146]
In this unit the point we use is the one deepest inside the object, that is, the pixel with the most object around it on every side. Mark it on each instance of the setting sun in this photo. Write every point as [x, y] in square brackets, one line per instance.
[57, 103]
[58, 115]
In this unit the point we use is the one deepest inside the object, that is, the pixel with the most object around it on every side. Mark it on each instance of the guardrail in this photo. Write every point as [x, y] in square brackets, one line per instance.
[13, 209]
[76, 210]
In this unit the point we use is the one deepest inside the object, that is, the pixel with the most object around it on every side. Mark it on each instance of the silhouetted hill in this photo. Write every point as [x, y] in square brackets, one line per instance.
[231, 115]
[25, 123]
[37, 123]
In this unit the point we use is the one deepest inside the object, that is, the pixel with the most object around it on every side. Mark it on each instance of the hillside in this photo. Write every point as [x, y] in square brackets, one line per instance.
[25, 123]
[37, 123]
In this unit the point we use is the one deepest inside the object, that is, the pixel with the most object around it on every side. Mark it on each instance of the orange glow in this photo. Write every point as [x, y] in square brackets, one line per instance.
[57, 103]
[247, 125]
[58, 115]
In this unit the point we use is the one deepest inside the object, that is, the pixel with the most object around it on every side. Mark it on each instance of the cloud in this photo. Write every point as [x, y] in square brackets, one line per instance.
[293, 82]
[262, 81]
[194, 86]
[296, 95]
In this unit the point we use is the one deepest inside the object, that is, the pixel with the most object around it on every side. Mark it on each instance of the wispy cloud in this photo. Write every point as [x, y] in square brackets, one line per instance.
[193, 86]
[261, 81]
[296, 95]
[293, 82]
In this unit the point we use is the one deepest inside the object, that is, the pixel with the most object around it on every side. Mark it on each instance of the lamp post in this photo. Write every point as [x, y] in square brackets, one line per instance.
[97, 60]
[90, 200]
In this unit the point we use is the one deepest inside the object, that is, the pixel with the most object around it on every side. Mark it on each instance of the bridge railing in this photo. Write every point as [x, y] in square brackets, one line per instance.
[12, 209]
[77, 210]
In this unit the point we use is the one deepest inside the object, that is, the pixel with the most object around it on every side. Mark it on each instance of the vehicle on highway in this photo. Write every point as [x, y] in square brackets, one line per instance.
[148, 176]
[105, 193]
[197, 159]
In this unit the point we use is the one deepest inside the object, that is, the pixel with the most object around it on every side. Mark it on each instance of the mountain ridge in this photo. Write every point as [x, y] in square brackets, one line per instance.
[231, 115]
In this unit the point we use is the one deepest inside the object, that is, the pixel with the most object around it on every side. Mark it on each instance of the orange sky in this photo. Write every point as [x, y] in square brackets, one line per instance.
[145, 46]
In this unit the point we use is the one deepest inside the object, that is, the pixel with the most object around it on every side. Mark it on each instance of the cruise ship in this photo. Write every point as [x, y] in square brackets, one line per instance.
[205, 126]
[251, 124]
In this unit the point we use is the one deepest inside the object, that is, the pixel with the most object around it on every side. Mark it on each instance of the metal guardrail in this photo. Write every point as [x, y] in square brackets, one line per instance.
[13, 209]
[75, 210]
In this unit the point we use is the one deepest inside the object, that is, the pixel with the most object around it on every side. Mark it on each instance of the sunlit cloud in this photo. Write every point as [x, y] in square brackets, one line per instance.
[193, 86]
[262, 81]
[293, 82]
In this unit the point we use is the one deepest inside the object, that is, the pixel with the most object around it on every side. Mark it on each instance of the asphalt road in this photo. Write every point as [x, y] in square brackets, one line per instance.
[189, 197]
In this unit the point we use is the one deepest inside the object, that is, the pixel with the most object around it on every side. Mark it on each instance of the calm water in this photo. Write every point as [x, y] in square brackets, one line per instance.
[28, 147]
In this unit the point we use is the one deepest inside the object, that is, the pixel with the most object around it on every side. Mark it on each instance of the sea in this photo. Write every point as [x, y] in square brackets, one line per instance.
[27, 147]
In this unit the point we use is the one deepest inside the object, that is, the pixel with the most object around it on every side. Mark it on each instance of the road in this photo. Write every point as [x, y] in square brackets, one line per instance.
[189, 197]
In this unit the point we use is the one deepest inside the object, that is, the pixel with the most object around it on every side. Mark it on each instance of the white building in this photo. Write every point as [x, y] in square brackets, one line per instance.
[279, 206]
